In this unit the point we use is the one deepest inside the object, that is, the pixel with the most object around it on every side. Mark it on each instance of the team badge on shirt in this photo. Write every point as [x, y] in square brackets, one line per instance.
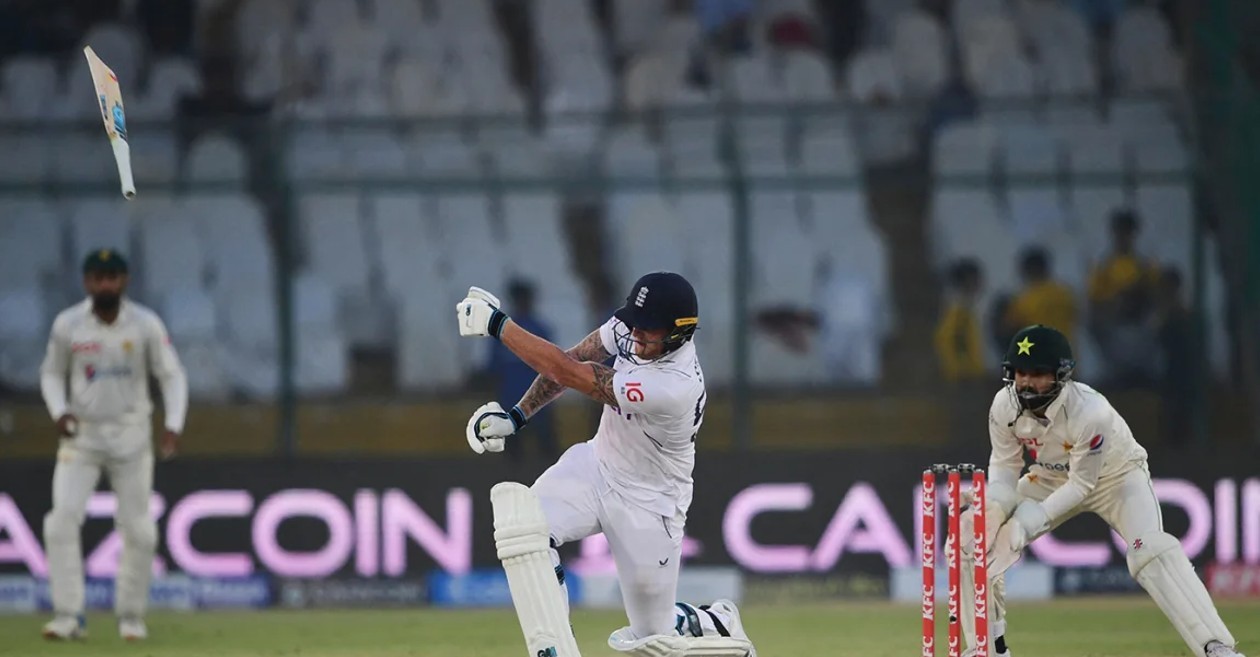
[1096, 443]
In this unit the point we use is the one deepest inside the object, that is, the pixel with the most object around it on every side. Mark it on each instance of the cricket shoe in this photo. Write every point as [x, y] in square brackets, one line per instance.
[1218, 649]
[734, 624]
[65, 628]
[132, 629]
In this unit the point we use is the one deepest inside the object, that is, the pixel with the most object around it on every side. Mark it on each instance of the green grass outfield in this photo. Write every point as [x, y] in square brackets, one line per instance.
[1129, 627]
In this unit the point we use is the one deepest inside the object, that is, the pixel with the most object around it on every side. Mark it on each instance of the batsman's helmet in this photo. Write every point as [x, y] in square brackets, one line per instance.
[660, 300]
[1038, 348]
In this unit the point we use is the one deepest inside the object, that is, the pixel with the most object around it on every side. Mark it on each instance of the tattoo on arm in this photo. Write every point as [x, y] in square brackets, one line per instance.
[590, 348]
[603, 386]
[543, 390]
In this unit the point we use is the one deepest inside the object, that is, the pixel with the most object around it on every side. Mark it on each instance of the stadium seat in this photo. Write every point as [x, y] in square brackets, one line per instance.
[1094, 151]
[785, 268]
[316, 154]
[155, 158]
[28, 159]
[1142, 55]
[398, 20]
[848, 246]
[98, 224]
[1036, 212]
[763, 148]
[969, 223]
[533, 233]
[30, 244]
[920, 49]
[463, 223]
[444, 155]
[191, 320]
[218, 159]
[1166, 212]
[29, 84]
[234, 238]
[629, 154]
[170, 79]
[23, 333]
[850, 338]
[428, 352]
[250, 338]
[637, 22]
[1091, 210]
[404, 234]
[171, 256]
[707, 219]
[323, 358]
[373, 154]
[120, 47]
[256, 20]
[72, 104]
[80, 157]
[524, 158]
[644, 228]
[807, 78]
[829, 153]
[965, 149]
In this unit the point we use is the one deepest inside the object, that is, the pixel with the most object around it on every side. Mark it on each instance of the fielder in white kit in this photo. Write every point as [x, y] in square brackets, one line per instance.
[1085, 460]
[108, 345]
[632, 481]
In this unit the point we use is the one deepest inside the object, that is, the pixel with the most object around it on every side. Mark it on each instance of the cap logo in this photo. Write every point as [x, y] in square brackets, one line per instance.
[642, 297]
[686, 321]
[104, 254]
[1025, 346]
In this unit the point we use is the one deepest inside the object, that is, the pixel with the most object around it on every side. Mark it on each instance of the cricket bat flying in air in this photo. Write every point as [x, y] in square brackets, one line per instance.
[110, 98]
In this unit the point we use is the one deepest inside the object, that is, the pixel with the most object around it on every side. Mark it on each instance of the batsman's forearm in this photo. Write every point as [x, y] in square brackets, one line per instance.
[541, 392]
[545, 358]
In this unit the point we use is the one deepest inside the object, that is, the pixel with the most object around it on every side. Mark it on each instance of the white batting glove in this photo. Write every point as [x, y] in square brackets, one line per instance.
[479, 315]
[1027, 523]
[490, 425]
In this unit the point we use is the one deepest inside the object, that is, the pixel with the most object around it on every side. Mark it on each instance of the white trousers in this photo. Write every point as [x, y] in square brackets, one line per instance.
[113, 450]
[646, 546]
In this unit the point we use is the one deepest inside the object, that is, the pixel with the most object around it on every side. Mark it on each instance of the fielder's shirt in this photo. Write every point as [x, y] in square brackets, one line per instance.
[1081, 443]
[647, 447]
[109, 367]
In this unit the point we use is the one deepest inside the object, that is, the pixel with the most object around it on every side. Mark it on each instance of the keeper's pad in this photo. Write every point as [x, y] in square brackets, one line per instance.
[1158, 564]
[663, 645]
[522, 539]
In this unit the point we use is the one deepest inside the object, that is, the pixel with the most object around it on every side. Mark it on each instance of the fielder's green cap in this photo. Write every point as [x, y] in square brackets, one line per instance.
[106, 261]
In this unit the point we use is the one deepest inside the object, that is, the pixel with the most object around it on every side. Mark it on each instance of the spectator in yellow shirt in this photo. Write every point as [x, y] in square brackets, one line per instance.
[958, 339]
[1124, 278]
[1042, 300]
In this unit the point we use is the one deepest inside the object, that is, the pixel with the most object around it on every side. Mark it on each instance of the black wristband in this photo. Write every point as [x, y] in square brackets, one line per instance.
[519, 419]
[495, 326]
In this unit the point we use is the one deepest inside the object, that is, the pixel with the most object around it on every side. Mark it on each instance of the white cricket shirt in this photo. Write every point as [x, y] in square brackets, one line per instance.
[646, 448]
[1081, 441]
[109, 367]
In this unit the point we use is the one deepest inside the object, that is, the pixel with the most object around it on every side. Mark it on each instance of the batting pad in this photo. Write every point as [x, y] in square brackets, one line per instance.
[521, 536]
[1158, 564]
[662, 645]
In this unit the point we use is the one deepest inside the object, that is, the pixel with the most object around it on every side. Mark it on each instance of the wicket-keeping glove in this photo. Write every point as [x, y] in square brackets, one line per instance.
[1027, 523]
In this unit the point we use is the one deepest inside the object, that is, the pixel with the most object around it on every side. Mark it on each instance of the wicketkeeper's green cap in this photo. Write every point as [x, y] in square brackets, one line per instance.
[106, 261]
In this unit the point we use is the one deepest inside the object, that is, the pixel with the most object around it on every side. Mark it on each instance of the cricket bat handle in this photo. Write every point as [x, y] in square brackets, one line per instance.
[122, 157]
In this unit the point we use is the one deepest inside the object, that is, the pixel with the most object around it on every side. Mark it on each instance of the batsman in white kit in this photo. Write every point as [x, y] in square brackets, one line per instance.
[108, 346]
[1085, 460]
[632, 481]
